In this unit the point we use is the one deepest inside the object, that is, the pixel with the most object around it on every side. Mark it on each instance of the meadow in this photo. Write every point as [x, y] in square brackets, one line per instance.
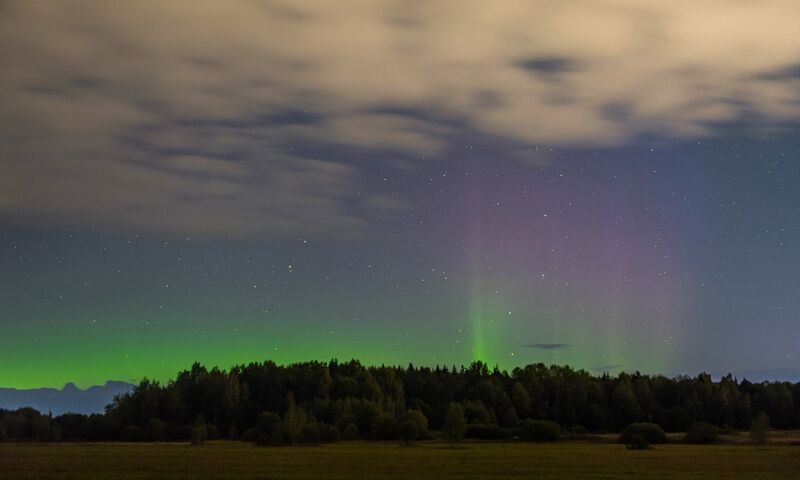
[423, 460]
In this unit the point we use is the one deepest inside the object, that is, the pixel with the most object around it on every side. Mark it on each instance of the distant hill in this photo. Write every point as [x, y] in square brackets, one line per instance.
[68, 399]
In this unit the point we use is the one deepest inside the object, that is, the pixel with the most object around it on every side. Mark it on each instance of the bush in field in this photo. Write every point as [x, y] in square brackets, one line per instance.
[249, 435]
[310, 434]
[180, 433]
[15, 425]
[577, 431]
[637, 442]
[701, 433]
[41, 430]
[318, 433]
[486, 432]
[294, 421]
[212, 432]
[384, 428]
[651, 432]
[540, 431]
[131, 433]
[454, 424]
[420, 421]
[156, 430]
[759, 428]
[350, 432]
[73, 425]
[199, 431]
[329, 433]
[268, 429]
[510, 418]
[407, 430]
[100, 427]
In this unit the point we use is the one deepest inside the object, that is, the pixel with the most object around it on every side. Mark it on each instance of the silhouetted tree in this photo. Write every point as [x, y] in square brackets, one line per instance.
[156, 430]
[269, 429]
[315, 399]
[454, 424]
[407, 429]
[759, 428]
[199, 432]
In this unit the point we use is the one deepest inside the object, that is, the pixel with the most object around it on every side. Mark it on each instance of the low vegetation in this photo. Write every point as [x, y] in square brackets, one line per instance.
[701, 433]
[649, 432]
[381, 460]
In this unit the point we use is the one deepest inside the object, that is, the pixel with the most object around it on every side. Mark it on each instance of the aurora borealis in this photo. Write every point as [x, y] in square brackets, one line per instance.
[601, 184]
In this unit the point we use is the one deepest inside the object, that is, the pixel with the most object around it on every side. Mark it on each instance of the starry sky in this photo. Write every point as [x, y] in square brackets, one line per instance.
[609, 184]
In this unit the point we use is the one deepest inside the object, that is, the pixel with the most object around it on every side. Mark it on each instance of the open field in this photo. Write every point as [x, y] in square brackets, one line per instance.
[389, 460]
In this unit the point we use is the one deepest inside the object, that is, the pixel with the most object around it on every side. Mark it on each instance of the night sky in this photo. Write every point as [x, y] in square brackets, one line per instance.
[603, 184]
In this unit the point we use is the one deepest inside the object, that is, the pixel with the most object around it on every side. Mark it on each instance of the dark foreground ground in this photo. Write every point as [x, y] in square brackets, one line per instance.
[388, 460]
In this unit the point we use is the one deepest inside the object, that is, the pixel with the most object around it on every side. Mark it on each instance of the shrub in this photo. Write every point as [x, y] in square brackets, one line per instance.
[156, 430]
[759, 428]
[268, 429]
[294, 421]
[637, 442]
[385, 428]
[454, 424]
[476, 412]
[510, 419]
[250, 435]
[131, 433]
[578, 431]
[486, 432]
[407, 430]
[212, 432]
[329, 432]
[318, 432]
[540, 431]
[350, 432]
[56, 433]
[41, 430]
[199, 431]
[99, 427]
[73, 425]
[651, 432]
[701, 433]
[420, 421]
[180, 433]
[310, 434]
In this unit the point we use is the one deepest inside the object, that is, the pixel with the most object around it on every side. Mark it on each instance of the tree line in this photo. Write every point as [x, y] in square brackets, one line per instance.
[320, 402]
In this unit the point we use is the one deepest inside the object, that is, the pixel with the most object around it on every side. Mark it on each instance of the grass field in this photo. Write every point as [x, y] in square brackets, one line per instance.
[388, 460]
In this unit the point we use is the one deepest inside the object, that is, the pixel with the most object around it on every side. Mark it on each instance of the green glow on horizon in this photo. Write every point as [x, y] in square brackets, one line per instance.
[39, 352]
[90, 354]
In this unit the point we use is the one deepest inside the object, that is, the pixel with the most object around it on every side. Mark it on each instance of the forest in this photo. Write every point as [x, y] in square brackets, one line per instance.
[316, 402]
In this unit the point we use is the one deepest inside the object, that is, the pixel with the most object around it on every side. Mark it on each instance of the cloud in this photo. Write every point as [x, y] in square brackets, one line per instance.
[546, 346]
[547, 65]
[220, 117]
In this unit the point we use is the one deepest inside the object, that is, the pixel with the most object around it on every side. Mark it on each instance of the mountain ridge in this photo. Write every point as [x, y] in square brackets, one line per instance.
[68, 399]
